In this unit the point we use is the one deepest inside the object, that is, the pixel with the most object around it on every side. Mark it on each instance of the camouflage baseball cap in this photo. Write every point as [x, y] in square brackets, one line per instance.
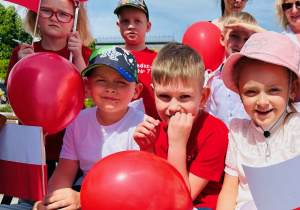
[140, 4]
[115, 57]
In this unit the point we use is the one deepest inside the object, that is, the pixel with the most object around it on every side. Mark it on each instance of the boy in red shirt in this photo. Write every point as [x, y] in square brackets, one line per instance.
[133, 25]
[193, 141]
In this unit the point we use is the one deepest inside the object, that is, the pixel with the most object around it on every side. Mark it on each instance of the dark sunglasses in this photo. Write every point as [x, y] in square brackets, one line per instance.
[288, 6]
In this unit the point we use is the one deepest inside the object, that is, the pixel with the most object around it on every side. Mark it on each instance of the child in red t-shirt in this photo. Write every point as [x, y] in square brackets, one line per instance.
[133, 25]
[193, 141]
[55, 23]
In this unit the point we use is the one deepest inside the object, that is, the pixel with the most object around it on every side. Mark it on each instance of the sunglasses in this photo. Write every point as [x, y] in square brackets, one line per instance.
[288, 6]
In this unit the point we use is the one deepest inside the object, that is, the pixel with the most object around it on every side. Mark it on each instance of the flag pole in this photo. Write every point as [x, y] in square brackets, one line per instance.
[77, 5]
[36, 22]
[43, 161]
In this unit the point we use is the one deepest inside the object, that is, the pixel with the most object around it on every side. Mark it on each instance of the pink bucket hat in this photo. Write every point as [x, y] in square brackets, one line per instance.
[270, 47]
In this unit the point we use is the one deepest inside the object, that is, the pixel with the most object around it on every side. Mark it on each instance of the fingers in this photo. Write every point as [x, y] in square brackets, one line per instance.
[66, 197]
[75, 44]
[25, 49]
[147, 133]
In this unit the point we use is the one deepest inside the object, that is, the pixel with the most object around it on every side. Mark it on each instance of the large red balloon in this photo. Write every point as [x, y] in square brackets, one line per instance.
[204, 37]
[45, 89]
[134, 180]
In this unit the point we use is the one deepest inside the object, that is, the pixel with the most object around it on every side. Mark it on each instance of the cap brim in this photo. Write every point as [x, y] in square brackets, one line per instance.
[124, 73]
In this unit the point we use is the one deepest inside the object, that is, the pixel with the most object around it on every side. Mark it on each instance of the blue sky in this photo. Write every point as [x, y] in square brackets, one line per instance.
[171, 17]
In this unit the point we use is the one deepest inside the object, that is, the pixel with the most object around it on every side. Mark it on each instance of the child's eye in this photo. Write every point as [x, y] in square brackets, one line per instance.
[46, 11]
[121, 83]
[274, 90]
[124, 21]
[163, 96]
[234, 36]
[185, 96]
[137, 21]
[63, 14]
[250, 92]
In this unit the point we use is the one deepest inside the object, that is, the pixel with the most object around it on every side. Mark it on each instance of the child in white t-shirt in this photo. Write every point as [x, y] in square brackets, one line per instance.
[107, 128]
[266, 76]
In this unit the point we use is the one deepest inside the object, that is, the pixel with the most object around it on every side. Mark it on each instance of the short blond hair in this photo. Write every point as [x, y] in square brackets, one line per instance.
[82, 24]
[238, 17]
[281, 18]
[176, 61]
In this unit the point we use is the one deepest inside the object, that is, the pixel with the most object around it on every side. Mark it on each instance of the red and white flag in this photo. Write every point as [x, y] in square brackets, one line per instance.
[30, 4]
[23, 172]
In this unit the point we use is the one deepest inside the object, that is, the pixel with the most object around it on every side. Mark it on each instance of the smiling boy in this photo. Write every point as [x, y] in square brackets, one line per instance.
[193, 141]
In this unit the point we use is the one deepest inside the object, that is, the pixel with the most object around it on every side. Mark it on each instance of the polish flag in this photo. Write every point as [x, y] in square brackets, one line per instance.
[30, 4]
[23, 173]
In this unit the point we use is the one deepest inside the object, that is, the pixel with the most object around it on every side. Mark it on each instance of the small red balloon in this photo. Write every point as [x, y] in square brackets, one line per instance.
[134, 180]
[46, 90]
[204, 37]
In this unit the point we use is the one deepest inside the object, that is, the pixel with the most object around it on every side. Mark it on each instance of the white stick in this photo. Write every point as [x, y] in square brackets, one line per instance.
[36, 22]
[75, 23]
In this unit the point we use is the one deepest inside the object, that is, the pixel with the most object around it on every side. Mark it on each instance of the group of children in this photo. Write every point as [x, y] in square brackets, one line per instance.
[256, 83]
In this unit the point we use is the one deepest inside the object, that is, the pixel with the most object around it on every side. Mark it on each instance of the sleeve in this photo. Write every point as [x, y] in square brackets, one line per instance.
[211, 106]
[86, 52]
[68, 150]
[231, 155]
[210, 161]
[13, 60]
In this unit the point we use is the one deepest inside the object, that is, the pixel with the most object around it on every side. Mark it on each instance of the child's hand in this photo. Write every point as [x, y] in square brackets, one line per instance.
[38, 206]
[65, 197]
[25, 49]
[75, 44]
[147, 133]
[247, 27]
[179, 129]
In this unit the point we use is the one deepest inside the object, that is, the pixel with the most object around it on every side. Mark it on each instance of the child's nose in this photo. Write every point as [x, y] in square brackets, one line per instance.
[262, 99]
[131, 26]
[174, 106]
[110, 90]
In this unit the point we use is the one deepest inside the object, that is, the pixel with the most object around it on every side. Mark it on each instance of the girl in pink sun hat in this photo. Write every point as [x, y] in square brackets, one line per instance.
[265, 73]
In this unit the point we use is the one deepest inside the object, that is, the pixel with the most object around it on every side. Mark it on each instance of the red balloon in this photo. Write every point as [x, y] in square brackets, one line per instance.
[204, 37]
[46, 90]
[134, 180]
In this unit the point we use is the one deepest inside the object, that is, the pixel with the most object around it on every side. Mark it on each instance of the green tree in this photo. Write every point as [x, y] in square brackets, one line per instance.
[92, 46]
[10, 28]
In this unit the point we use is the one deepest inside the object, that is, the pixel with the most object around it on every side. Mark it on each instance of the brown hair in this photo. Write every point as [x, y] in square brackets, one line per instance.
[82, 24]
[177, 61]
[280, 16]
[238, 17]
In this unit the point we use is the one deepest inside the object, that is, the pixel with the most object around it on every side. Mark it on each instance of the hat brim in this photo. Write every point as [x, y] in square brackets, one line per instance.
[227, 71]
[124, 73]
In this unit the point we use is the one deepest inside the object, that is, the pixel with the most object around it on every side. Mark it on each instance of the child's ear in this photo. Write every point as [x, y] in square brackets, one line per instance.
[87, 86]
[294, 89]
[152, 87]
[148, 26]
[222, 40]
[137, 90]
[204, 96]
[118, 25]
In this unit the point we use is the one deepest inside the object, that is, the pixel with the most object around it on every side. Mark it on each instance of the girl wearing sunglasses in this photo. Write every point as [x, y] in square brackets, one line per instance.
[288, 15]
[228, 7]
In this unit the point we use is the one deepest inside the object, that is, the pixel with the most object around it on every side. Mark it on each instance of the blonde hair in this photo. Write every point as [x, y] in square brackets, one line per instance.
[82, 24]
[176, 61]
[281, 18]
[238, 17]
